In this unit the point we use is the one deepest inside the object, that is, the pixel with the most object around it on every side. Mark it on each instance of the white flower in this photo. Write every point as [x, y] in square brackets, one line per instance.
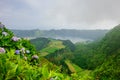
[35, 57]
[23, 50]
[27, 51]
[5, 33]
[2, 50]
[25, 58]
[14, 38]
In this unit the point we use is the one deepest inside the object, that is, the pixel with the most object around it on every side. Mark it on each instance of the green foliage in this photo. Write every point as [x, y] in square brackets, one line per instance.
[59, 56]
[110, 42]
[110, 69]
[52, 46]
[86, 55]
[102, 57]
[69, 44]
[19, 60]
[7, 42]
[14, 66]
[40, 43]
[77, 72]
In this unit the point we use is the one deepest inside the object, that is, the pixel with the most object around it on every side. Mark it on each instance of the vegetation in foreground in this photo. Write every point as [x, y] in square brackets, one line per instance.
[20, 61]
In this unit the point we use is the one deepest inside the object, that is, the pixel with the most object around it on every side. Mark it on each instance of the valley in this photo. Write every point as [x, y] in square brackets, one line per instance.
[46, 58]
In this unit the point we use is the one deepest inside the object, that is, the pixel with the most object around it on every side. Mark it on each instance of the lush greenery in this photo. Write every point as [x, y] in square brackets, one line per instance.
[59, 59]
[40, 43]
[101, 58]
[20, 61]
[17, 63]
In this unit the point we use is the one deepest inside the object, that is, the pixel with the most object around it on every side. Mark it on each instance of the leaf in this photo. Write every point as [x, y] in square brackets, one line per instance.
[45, 72]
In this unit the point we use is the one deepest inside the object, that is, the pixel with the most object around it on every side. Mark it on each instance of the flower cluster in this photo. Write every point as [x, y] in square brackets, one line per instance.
[21, 46]
[2, 50]
[27, 51]
[4, 33]
[17, 51]
[22, 50]
[1, 25]
[35, 57]
[14, 38]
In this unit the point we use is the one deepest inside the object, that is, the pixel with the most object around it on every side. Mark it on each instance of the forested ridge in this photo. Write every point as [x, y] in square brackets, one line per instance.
[70, 33]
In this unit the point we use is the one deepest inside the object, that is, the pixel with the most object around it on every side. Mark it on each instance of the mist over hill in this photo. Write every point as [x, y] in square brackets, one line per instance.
[64, 34]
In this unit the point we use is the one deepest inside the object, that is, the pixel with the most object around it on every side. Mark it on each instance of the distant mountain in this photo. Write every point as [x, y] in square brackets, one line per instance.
[71, 34]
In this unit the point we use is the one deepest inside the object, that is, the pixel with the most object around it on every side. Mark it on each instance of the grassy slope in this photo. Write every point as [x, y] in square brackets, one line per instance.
[78, 72]
[52, 47]
[70, 66]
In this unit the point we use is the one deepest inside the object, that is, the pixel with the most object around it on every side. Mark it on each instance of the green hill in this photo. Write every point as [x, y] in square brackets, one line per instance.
[110, 69]
[47, 45]
[111, 40]
[103, 57]
[40, 43]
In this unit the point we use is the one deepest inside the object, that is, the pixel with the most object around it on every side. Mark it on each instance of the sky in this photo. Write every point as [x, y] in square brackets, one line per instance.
[60, 14]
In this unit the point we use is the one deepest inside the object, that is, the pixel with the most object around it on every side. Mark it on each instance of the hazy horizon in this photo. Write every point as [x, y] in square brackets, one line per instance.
[56, 29]
[60, 14]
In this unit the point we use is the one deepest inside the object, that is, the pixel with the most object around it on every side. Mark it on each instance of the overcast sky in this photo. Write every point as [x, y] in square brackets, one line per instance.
[59, 14]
